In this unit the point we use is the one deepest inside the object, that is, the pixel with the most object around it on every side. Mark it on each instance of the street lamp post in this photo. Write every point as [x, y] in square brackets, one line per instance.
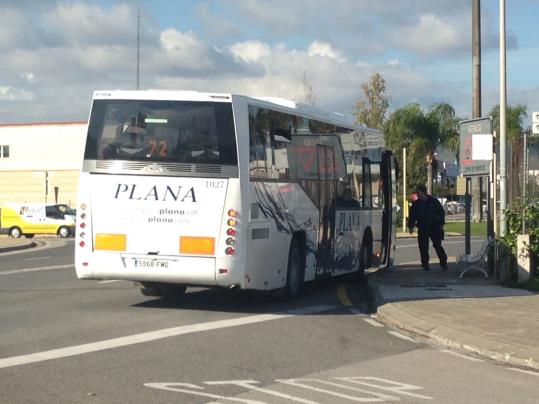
[503, 124]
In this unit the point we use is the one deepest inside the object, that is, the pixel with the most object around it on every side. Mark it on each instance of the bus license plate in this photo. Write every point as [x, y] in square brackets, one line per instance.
[142, 263]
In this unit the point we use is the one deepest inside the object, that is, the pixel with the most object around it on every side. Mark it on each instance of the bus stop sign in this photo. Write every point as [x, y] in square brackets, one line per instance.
[475, 152]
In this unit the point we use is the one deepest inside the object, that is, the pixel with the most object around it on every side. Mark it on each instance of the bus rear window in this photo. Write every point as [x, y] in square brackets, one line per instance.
[162, 131]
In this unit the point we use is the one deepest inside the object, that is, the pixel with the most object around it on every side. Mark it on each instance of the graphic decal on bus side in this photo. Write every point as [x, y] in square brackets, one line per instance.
[156, 193]
[347, 240]
[272, 203]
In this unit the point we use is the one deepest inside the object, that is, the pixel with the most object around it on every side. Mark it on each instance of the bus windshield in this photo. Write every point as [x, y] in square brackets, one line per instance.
[162, 131]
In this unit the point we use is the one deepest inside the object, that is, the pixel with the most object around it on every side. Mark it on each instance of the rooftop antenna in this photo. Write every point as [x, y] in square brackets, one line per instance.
[138, 48]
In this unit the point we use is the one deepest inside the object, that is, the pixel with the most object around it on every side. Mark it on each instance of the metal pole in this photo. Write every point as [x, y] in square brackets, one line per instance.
[503, 124]
[477, 182]
[495, 188]
[476, 58]
[524, 177]
[138, 49]
[404, 201]
[467, 218]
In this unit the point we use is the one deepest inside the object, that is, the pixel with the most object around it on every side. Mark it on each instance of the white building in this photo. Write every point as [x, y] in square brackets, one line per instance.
[41, 162]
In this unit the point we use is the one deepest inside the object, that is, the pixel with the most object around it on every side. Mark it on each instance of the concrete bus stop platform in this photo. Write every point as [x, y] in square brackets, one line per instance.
[470, 313]
[8, 244]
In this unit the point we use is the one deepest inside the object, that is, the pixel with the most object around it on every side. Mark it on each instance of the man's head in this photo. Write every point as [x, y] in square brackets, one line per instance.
[421, 191]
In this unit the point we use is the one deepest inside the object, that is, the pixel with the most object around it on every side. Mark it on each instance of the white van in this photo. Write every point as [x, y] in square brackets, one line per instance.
[28, 219]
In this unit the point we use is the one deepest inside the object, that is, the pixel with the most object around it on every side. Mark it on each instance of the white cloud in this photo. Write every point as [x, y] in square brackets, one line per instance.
[8, 93]
[324, 49]
[250, 51]
[82, 24]
[185, 50]
[28, 76]
[432, 35]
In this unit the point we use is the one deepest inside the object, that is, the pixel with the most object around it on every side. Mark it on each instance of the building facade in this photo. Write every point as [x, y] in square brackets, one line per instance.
[41, 162]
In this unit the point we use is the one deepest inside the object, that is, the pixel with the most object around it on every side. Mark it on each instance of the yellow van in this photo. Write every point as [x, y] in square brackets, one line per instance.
[28, 219]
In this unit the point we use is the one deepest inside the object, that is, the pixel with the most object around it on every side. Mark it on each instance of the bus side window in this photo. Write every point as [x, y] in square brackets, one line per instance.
[257, 147]
[375, 184]
[367, 187]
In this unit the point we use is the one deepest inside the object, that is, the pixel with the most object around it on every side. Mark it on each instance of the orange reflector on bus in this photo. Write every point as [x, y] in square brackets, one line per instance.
[110, 242]
[197, 245]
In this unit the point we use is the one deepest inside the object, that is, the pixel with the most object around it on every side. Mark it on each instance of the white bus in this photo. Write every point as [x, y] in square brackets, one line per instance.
[183, 188]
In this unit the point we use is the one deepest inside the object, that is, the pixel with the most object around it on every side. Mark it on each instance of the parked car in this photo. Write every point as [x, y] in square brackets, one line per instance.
[453, 207]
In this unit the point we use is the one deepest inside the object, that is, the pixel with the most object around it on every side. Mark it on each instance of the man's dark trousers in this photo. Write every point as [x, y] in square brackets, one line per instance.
[435, 234]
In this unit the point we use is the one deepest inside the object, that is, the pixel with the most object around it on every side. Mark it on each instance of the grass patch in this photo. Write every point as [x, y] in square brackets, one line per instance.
[476, 229]
[531, 285]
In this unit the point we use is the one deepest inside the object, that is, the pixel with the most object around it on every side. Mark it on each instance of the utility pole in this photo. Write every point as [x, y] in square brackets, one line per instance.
[138, 49]
[476, 58]
[503, 123]
[404, 199]
[477, 182]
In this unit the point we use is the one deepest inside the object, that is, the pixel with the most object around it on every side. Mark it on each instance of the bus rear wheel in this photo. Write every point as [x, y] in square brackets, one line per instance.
[168, 291]
[294, 272]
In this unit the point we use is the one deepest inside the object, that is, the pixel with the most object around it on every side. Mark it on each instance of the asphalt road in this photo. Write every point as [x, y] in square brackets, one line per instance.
[63, 340]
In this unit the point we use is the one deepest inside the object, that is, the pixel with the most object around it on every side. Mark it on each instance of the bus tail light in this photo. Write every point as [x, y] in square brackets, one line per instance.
[82, 224]
[197, 245]
[232, 222]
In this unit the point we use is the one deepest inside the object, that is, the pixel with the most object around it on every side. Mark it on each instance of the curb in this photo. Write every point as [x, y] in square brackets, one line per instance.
[391, 314]
[19, 247]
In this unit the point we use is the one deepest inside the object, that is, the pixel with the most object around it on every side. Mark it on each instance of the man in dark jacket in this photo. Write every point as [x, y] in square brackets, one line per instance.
[428, 215]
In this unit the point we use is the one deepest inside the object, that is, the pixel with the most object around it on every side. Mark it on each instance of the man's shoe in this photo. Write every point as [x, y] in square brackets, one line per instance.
[444, 266]
[426, 268]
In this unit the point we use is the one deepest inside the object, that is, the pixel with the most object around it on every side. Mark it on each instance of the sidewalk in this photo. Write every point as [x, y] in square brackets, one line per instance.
[470, 313]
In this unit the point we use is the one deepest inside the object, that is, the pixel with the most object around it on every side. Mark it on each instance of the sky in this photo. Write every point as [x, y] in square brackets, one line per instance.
[54, 54]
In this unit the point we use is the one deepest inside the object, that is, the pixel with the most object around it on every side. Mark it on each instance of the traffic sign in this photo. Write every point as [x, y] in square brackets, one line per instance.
[475, 152]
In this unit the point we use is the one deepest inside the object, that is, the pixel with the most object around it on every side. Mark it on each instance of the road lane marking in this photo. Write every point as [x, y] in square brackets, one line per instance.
[250, 385]
[458, 355]
[182, 388]
[372, 396]
[528, 372]
[37, 258]
[373, 322]
[387, 385]
[110, 281]
[38, 269]
[343, 297]
[155, 335]
[401, 336]
[353, 390]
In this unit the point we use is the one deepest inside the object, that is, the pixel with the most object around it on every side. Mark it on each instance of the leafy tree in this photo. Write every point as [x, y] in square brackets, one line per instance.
[444, 116]
[515, 128]
[372, 108]
[421, 133]
[409, 127]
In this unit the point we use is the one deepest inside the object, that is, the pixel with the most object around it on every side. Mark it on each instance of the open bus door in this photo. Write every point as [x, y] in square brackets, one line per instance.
[326, 204]
[388, 176]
